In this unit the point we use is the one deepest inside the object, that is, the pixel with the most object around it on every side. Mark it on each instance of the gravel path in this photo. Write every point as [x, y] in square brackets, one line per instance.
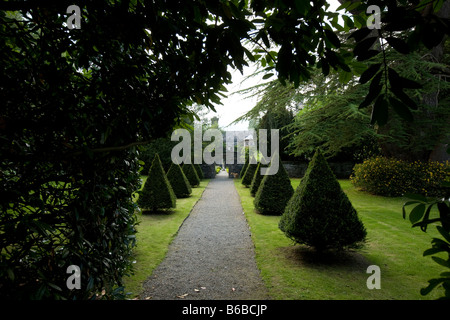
[212, 256]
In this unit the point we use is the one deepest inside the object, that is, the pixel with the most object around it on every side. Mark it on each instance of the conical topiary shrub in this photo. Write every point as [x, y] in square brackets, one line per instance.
[191, 174]
[320, 214]
[244, 168]
[248, 175]
[257, 178]
[180, 184]
[157, 192]
[199, 170]
[275, 191]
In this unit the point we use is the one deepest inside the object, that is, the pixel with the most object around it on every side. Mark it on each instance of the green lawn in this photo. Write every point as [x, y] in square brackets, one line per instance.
[155, 233]
[294, 272]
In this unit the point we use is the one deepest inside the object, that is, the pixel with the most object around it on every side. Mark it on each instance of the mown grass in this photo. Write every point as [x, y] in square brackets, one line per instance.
[295, 272]
[155, 232]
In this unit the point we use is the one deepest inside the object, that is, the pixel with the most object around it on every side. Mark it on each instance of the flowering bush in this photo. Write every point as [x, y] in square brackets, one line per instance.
[392, 177]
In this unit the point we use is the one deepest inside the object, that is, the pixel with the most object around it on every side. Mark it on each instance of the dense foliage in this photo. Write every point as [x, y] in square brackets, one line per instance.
[319, 214]
[274, 191]
[191, 174]
[257, 178]
[420, 216]
[392, 177]
[161, 146]
[75, 104]
[199, 171]
[248, 175]
[157, 192]
[180, 184]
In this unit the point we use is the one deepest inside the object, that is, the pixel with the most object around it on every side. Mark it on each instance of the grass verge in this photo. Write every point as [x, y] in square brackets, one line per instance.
[295, 272]
[155, 233]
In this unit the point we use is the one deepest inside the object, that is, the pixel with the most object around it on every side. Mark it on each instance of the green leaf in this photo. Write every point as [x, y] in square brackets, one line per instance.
[417, 213]
[360, 34]
[398, 44]
[369, 73]
[344, 5]
[348, 22]
[374, 91]
[401, 109]
[404, 98]
[364, 46]
[267, 76]
[331, 36]
[380, 111]
[345, 77]
[353, 6]
[399, 82]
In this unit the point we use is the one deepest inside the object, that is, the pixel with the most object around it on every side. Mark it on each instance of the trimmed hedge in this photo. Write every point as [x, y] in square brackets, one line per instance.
[244, 168]
[392, 177]
[319, 214]
[274, 192]
[249, 173]
[257, 178]
[180, 184]
[199, 170]
[191, 174]
[157, 192]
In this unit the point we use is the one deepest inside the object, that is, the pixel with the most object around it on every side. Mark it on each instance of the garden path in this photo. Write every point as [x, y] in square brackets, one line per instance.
[212, 257]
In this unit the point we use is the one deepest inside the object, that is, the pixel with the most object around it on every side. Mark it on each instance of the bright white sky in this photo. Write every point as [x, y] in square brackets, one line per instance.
[237, 105]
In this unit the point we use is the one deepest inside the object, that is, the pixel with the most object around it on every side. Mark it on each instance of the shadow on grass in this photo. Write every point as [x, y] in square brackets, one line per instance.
[159, 212]
[308, 257]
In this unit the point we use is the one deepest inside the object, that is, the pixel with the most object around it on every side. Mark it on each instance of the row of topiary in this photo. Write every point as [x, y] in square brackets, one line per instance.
[161, 190]
[318, 213]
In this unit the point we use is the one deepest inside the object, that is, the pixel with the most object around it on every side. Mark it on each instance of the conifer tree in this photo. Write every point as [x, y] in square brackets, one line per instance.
[257, 178]
[275, 191]
[320, 214]
[244, 168]
[180, 184]
[199, 170]
[248, 175]
[157, 192]
[191, 174]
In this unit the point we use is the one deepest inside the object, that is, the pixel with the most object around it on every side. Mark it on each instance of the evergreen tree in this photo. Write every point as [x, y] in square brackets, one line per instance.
[257, 178]
[275, 191]
[157, 192]
[199, 170]
[180, 184]
[248, 175]
[320, 214]
[244, 168]
[191, 174]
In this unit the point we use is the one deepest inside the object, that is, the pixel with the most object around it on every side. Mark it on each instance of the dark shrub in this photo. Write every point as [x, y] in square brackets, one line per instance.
[248, 175]
[191, 174]
[274, 192]
[257, 178]
[393, 177]
[157, 192]
[319, 214]
[199, 170]
[244, 168]
[180, 184]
